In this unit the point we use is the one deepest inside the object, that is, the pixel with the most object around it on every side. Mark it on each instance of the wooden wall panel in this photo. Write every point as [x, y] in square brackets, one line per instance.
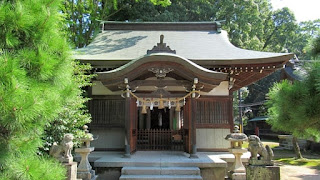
[107, 112]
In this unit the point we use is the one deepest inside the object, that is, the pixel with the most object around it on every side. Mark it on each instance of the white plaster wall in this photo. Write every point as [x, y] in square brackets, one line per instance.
[108, 138]
[99, 89]
[212, 138]
[221, 90]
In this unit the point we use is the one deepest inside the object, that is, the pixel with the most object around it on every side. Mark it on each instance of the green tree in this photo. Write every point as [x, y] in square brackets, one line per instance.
[245, 21]
[316, 47]
[300, 43]
[281, 30]
[187, 10]
[74, 113]
[83, 17]
[36, 76]
[294, 107]
[258, 90]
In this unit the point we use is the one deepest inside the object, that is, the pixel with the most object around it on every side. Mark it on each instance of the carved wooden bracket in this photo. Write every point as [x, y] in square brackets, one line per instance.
[161, 47]
[160, 72]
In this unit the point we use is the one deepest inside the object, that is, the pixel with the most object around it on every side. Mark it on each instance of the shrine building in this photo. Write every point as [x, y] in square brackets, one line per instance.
[168, 86]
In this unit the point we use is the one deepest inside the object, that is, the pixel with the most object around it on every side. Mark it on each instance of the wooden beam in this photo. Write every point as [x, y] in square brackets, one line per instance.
[249, 80]
[160, 83]
[214, 126]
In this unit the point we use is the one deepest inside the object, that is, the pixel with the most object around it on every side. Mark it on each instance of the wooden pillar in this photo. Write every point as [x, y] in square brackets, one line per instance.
[171, 112]
[230, 111]
[178, 120]
[127, 128]
[141, 119]
[193, 131]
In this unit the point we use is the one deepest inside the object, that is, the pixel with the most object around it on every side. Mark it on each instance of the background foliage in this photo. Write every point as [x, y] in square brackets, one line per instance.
[74, 113]
[251, 24]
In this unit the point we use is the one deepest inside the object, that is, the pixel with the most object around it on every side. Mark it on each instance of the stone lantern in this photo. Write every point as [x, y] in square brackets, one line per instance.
[85, 171]
[238, 171]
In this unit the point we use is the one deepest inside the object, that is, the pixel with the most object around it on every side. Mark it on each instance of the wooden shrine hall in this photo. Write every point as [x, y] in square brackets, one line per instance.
[168, 86]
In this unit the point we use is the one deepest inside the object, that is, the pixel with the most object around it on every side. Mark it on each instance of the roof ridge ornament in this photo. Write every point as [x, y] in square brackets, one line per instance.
[161, 47]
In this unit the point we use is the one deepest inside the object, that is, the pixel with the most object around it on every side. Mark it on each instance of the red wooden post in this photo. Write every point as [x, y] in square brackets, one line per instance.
[257, 131]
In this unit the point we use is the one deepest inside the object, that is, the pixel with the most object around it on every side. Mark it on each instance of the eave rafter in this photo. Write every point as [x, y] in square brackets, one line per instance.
[239, 68]
[245, 74]
[247, 80]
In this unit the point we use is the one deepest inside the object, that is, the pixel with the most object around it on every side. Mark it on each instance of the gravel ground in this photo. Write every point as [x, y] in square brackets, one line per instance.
[289, 172]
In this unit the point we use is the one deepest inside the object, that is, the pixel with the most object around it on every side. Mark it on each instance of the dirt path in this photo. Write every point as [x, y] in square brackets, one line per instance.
[289, 172]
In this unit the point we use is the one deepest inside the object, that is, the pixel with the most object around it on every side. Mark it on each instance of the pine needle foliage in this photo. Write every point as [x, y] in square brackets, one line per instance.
[294, 107]
[36, 82]
[74, 113]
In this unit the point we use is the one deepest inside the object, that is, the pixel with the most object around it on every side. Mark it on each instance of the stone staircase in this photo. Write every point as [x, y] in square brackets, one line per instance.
[160, 173]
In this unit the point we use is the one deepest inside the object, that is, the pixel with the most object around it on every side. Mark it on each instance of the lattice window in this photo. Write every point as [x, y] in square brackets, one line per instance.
[212, 111]
[107, 112]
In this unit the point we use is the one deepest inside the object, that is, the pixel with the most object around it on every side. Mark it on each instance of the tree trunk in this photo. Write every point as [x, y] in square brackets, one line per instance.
[296, 147]
[269, 38]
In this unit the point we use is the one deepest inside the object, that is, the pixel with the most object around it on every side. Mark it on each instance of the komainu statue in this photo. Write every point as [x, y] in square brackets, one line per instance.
[256, 148]
[63, 150]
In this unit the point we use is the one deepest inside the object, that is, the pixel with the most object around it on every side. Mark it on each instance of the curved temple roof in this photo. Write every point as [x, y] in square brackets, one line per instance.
[163, 58]
[200, 42]
[181, 67]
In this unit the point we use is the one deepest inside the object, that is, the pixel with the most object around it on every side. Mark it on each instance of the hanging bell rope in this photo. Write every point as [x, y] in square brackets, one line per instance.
[176, 99]
[161, 100]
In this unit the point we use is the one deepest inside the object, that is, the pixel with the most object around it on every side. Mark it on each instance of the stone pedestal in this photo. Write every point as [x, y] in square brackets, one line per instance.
[263, 172]
[194, 155]
[87, 176]
[238, 171]
[127, 151]
[68, 160]
[238, 176]
[71, 170]
[257, 162]
[85, 171]
[237, 165]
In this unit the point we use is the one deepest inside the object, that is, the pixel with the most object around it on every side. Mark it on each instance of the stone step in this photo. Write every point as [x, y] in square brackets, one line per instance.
[160, 177]
[160, 171]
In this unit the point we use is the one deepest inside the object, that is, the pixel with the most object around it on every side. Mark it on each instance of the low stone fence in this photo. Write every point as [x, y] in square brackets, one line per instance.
[285, 141]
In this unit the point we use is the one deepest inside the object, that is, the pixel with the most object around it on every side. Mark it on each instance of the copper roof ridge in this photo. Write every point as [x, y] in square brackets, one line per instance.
[165, 26]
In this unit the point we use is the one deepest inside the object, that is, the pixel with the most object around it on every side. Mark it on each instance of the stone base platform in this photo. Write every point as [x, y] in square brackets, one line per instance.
[263, 172]
[108, 165]
[159, 158]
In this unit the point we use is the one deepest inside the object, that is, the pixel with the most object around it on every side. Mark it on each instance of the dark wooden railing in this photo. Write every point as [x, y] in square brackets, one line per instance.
[160, 139]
